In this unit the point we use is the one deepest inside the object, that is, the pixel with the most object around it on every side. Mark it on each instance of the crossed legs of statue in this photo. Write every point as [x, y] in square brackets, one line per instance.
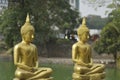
[97, 68]
[84, 73]
[41, 74]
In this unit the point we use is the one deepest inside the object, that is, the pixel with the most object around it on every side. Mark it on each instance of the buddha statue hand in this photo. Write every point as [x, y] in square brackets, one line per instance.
[33, 69]
[89, 65]
[84, 64]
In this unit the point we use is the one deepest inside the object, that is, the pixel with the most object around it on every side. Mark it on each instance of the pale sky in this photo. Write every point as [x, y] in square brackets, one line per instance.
[87, 10]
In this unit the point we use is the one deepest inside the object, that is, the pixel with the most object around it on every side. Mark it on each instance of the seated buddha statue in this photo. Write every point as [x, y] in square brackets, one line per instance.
[26, 57]
[81, 56]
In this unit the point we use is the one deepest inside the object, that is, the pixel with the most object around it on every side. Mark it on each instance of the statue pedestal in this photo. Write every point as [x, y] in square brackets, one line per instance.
[76, 76]
[16, 79]
[97, 76]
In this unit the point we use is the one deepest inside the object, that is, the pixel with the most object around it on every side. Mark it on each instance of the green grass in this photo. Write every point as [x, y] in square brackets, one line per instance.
[6, 71]
[60, 72]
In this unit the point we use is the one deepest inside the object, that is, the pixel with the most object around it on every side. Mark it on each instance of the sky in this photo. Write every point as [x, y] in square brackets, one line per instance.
[89, 10]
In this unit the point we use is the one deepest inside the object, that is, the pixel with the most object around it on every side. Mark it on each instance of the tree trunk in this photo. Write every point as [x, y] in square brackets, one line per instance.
[115, 57]
[118, 60]
[42, 50]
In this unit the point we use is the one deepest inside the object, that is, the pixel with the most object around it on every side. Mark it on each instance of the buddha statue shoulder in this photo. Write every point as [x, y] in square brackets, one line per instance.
[26, 57]
[81, 54]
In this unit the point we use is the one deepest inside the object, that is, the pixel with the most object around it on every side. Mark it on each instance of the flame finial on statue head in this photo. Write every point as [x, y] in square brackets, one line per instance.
[28, 18]
[82, 28]
[27, 26]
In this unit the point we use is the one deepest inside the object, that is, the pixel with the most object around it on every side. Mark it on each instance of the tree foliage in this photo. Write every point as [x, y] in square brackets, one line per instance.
[10, 26]
[109, 40]
[45, 16]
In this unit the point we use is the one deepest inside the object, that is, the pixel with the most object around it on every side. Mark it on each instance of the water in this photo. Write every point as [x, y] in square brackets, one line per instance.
[60, 72]
[112, 74]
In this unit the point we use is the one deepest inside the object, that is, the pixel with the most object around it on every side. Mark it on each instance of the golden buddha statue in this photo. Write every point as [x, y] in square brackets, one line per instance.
[84, 68]
[26, 57]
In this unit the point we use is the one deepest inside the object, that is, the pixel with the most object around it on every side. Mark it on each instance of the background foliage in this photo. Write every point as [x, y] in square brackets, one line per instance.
[45, 15]
[109, 41]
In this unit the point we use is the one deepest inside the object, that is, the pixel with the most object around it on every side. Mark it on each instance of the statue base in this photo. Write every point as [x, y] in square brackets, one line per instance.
[76, 76]
[97, 76]
[51, 78]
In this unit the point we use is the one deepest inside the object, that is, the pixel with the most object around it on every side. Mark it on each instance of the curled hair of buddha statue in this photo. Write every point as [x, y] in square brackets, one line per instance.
[27, 26]
[82, 28]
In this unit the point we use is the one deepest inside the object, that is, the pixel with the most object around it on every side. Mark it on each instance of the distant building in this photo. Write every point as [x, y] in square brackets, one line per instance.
[75, 4]
[3, 5]
[95, 31]
[95, 34]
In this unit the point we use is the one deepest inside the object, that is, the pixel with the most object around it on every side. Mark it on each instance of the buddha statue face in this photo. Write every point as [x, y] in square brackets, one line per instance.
[84, 36]
[29, 36]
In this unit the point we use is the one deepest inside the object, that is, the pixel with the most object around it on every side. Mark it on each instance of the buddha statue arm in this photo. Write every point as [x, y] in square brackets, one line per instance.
[24, 67]
[74, 55]
[17, 59]
[91, 63]
[90, 57]
[82, 63]
[74, 51]
[36, 63]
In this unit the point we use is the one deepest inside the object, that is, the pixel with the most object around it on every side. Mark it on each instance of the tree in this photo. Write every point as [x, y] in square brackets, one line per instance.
[109, 41]
[54, 13]
[44, 15]
[10, 28]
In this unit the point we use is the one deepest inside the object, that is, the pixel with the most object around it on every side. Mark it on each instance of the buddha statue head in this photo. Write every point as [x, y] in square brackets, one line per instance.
[83, 31]
[27, 30]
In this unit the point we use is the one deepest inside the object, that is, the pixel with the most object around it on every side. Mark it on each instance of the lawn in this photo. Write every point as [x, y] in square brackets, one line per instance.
[60, 72]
